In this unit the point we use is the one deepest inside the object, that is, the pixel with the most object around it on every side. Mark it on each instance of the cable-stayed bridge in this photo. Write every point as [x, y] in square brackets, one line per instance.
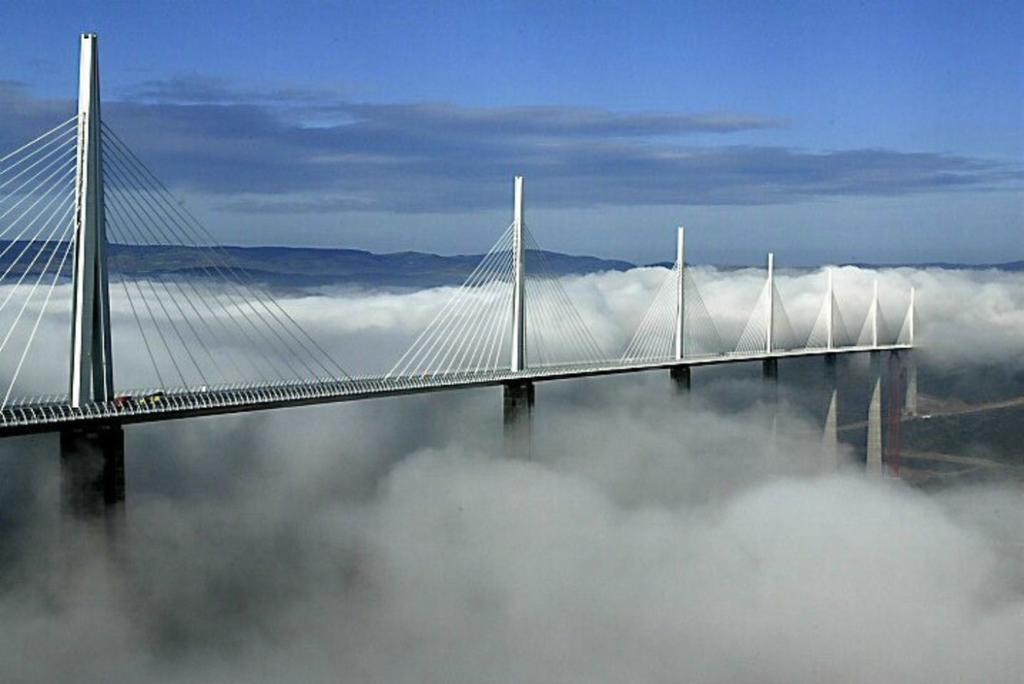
[217, 342]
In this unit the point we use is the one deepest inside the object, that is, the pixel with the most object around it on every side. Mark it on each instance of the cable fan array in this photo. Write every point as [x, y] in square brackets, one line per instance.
[655, 337]
[197, 320]
[200, 317]
[472, 332]
[37, 192]
[754, 337]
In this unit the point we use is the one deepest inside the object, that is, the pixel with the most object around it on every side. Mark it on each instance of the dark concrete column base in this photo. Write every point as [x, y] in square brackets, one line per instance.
[92, 472]
[517, 416]
[680, 378]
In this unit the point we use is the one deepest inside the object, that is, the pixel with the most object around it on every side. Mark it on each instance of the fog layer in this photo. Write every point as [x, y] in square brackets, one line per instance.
[653, 537]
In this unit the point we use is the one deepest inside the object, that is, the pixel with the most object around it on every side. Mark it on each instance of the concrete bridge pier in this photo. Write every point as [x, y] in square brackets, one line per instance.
[830, 436]
[517, 413]
[910, 403]
[680, 378]
[770, 373]
[92, 485]
[874, 447]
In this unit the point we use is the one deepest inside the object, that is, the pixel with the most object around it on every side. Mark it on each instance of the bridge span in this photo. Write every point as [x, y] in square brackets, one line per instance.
[66, 193]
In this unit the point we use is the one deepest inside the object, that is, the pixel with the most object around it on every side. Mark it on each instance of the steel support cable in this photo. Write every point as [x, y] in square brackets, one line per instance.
[545, 322]
[864, 337]
[114, 205]
[577, 347]
[58, 167]
[657, 342]
[119, 214]
[477, 298]
[231, 317]
[542, 320]
[439, 329]
[840, 332]
[817, 338]
[42, 310]
[467, 346]
[68, 169]
[754, 336]
[498, 343]
[52, 154]
[549, 290]
[198, 228]
[17, 319]
[203, 321]
[587, 345]
[491, 329]
[495, 329]
[412, 353]
[636, 342]
[656, 338]
[159, 332]
[38, 251]
[115, 214]
[501, 344]
[232, 306]
[290, 351]
[884, 329]
[537, 351]
[903, 336]
[661, 338]
[135, 190]
[32, 142]
[31, 241]
[537, 323]
[145, 337]
[471, 336]
[487, 299]
[166, 317]
[652, 319]
[146, 226]
[553, 330]
[444, 339]
[783, 325]
[476, 338]
[570, 309]
[695, 302]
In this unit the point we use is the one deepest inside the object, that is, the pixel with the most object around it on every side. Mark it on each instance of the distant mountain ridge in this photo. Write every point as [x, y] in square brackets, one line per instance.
[307, 266]
[312, 266]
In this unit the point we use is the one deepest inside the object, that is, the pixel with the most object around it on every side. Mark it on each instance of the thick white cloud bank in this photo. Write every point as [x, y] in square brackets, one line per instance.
[651, 539]
[963, 317]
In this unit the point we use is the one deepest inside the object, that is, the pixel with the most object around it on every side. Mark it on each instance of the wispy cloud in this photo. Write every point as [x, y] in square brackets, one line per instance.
[294, 151]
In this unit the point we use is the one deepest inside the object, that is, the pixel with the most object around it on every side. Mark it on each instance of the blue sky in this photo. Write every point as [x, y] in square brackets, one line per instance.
[826, 131]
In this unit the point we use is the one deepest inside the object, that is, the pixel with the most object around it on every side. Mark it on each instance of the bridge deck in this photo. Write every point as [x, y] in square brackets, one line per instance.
[53, 416]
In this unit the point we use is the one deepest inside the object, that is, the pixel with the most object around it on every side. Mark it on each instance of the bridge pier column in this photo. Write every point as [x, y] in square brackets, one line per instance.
[830, 436]
[92, 472]
[874, 451]
[517, 413]
[770, 373]
[910, 404]
[680, 378]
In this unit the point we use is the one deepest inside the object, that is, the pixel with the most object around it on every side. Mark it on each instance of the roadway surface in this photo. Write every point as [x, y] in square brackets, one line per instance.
[56, 415]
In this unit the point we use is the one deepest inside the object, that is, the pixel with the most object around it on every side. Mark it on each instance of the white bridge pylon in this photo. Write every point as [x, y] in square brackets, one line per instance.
[512, 313]
[678, 324]
[77, 197]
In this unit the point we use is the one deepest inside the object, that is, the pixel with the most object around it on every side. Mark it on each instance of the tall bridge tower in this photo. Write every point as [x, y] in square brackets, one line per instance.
[519, 395]
[92, 459]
